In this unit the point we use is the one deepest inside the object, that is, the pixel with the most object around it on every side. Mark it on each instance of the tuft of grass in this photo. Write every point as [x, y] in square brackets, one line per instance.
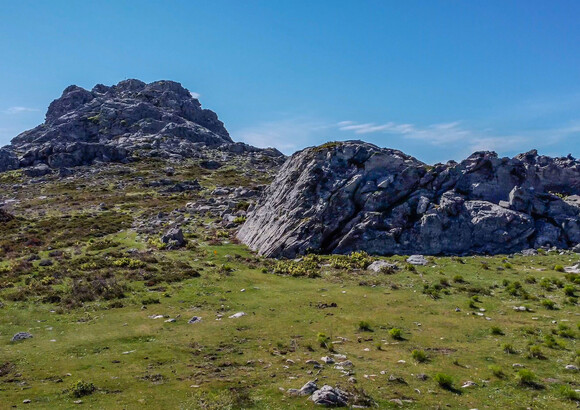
[569, 393]
[535, 352]
[508, 348]
[364, 326]
[559, 268]
[419, 355]
[444, 381]
[569, 290]
[497, 371]
[496, 330]
[396, 333]
[81, 388]
[458, 279]
[151, 300]
[525, 377]
[549, 304]
[324, 341]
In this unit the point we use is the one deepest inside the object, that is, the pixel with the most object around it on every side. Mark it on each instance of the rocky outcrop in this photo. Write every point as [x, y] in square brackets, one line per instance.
[342, 197]
[5, 216]
[121, 122]
[8, 160]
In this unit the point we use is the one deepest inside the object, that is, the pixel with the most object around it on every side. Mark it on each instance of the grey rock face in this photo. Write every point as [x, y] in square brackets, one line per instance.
[174, 238]
[117, 123]
[5, 216]
[8, 160]
[417, 260]
[21, 336]
[342, 197]
[380, 266]
[309, 388]
[330, 396]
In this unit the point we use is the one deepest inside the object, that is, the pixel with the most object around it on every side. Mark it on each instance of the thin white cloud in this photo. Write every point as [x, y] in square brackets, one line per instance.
[436, 134]
[463, 140]
[287, 135]
[19, 110]
[195, 95]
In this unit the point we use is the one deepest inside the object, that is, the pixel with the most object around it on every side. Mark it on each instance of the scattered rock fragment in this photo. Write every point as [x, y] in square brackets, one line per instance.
[417, 260]
[174, 238]
[381, 266]
[309, 388]
[21, 336]
[327, 359]
[572, 269]
[330, 396]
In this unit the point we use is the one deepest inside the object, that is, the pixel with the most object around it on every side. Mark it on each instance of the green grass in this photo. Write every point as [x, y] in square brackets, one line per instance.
[90, 314]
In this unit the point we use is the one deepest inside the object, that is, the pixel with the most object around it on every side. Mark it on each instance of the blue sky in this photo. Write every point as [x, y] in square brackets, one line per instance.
[436, 79]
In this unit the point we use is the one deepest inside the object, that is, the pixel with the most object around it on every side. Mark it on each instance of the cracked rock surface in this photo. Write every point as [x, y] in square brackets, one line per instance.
[349, 196]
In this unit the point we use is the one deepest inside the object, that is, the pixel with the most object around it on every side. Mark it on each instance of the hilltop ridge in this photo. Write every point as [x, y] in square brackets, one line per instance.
[119, 123]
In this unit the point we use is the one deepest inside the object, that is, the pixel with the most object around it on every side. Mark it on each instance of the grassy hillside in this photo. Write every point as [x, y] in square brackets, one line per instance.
[83, 270]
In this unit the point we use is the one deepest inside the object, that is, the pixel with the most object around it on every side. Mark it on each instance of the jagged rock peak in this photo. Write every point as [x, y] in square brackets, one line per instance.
[348, 196]
[119, 123]
[164, 94]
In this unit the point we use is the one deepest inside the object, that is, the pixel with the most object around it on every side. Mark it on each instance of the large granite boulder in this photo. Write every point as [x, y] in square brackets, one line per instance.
[348, 196]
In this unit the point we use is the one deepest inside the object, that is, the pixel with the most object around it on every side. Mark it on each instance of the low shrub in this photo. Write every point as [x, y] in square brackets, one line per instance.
[495, 330]
[444, 381]
[419, 356]
[497, 371]
[364, 326]
[458, 279]
[81, 388]
[569, 393]
[396, 333]
[569, 290]
[508, 348]
[526, 377]
[549, 304]
[324, 341]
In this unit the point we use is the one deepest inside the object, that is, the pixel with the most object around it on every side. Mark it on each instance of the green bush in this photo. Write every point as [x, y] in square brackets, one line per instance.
[81, 388]
[546, 284]
[530, 279]
[151, 300]
[569, 290]
[458, 279]
[364, 326]
[565, 331]
[129, 263]
[419, 355]
[508, 348]
[559, 268]
[569, 393]
[324, 341]
[355, 260]
[396, 333]
[550, 341]
[525, 377]
[535, 352]
[549, 304]
[240, 220]
[307, 267]
[444, 380]
[496, 371]
[495, 330]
